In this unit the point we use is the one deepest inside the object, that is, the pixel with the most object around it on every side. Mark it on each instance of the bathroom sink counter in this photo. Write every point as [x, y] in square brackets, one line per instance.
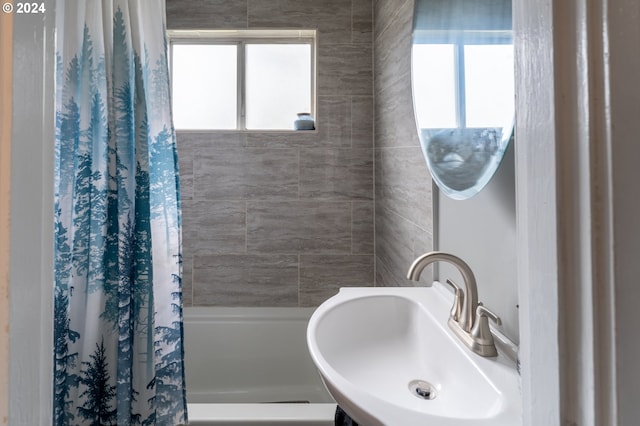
[372, 345]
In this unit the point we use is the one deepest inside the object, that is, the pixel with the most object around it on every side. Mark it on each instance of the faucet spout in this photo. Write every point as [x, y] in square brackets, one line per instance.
[470, 298]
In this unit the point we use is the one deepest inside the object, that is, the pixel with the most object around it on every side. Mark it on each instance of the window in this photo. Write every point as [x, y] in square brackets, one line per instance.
[460, 76]
[245, 79]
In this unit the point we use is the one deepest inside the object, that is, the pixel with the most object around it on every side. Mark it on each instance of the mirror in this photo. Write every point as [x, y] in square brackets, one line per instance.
[463, 89]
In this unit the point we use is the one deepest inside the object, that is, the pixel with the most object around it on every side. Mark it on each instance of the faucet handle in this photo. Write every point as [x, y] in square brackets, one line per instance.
[458, 299]
[481, 333]
[483, 311]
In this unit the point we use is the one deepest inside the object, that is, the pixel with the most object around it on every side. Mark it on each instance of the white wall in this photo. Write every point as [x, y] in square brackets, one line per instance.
[482, 231]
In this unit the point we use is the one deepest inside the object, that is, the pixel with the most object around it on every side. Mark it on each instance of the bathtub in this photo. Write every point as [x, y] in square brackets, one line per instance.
[251, 367]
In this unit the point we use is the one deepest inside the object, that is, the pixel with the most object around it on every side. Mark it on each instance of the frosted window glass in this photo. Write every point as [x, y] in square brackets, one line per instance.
[434, 79]
[204, 79]
[489, 85]
[278, 82]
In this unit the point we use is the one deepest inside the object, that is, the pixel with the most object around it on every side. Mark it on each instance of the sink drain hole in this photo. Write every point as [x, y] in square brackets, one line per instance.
[422, 389]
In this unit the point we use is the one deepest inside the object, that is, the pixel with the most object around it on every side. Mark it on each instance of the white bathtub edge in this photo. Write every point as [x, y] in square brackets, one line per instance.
[294, 414]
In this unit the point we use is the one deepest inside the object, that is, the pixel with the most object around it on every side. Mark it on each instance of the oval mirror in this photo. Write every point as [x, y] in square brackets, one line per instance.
[463, 89]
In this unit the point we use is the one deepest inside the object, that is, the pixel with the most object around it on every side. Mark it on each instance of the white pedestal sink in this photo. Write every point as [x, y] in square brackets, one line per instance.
[388, 358]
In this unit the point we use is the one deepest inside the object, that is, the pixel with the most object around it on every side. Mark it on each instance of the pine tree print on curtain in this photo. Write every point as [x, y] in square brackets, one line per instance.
[118, 338]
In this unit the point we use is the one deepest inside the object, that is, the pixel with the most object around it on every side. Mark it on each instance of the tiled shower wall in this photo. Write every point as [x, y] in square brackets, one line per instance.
[284, 218]
[403, 197]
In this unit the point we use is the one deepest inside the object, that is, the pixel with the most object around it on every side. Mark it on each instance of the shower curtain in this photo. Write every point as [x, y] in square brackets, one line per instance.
[118, 350]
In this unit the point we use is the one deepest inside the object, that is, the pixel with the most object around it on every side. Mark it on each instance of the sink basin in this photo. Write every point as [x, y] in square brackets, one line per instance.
[388, 358]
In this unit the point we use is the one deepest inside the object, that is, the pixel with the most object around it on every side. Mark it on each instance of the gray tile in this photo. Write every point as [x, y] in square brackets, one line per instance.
[422, 243]
[387, 278]
[283, 139]
[394, 116]
[387, 12]
[396, 243]
[406, 185]
[396, 276]
[362, 227]
[362, 21]
[322, 227]
[199, 14]
[189, 146]
[187, 281]
[393, 44]
[322, 276]
[394, 120]
[362, 121]
[378, 175]
[332, 18]
[333, 123]
[246, 173]
[214, 226]
[242, 280]
[345, 69]
[209, 139]
[336, 173]
[185, 165]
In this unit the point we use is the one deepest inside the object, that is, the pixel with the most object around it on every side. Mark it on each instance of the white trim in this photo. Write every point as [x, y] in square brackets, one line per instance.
[280, 414]
[578, 106]
[31, 249]
[535, 209]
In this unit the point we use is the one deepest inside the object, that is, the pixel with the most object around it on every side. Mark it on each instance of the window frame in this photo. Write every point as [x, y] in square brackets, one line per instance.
[241, 38]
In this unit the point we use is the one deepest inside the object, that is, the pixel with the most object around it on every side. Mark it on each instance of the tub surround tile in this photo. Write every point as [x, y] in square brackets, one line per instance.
[394, 116]
[336, 174]
[322, 276]
[406, 185]
[398, 242]
[215, 139]
[362, 227]
[394, 123]
[361, 21]
[388, 12]
[393, 46]
[403, 211]
[289, 139]
[384, 277]
[187, 281]
[322, 227]
[332, 18]
[185, 165]
[362, 121]
[248, 280]
[395, 275]
[214, 226]
[334, 121]
[198, 14]
[254, 202]
[246, 173]
[345, 69]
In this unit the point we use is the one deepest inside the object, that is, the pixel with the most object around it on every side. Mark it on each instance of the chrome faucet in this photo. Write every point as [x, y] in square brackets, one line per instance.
[468, 319]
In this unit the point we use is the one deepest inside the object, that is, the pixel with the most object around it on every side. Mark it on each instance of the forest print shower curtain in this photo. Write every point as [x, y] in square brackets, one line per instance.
[118, 351]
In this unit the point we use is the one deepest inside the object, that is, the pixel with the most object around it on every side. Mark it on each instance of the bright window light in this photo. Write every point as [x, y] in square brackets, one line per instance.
[434, 77]
[489, 84]
[205, 86]
[278, 84]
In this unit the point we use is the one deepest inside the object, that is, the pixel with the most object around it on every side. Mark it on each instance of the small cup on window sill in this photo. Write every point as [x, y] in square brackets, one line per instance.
[304, 122]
